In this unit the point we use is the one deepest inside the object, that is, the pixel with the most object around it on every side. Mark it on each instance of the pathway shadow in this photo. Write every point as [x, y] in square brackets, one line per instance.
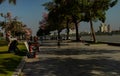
[77, 51]
[53, 44]
[73, 67]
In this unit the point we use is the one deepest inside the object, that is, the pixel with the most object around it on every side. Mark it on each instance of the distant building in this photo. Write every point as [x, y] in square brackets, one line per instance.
[71, 31]
[104, 28]
[109, 28]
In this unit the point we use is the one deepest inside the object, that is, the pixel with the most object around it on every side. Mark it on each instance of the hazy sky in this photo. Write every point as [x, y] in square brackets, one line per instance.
[30, 13]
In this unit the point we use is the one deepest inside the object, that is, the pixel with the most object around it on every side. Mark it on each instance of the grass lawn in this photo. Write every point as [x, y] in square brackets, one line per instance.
[9, 61]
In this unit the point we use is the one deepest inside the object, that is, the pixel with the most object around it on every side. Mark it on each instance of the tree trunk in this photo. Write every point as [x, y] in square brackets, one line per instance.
[92, 31]
[59, 39]
[77, 33]
[67, 27]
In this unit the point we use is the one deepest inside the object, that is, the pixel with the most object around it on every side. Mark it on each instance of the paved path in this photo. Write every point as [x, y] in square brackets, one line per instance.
[75, 59]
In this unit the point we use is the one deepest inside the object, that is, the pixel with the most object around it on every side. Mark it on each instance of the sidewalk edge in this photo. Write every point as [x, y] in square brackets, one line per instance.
[19, 68]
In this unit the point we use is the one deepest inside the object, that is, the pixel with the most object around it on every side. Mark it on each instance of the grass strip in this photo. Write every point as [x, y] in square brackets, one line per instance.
[10, 61]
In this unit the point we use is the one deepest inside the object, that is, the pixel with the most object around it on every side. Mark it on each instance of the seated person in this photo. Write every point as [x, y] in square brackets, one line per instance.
[13, 47]
[34, 45]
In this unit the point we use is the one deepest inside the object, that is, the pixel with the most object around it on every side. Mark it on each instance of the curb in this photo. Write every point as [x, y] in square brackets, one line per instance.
[19, 68]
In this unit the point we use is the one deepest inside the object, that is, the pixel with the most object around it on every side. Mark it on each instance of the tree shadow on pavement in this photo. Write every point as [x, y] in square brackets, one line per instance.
[77, 51]
[73, 67]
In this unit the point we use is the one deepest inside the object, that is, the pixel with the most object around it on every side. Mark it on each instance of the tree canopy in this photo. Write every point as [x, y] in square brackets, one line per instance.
[76, 11]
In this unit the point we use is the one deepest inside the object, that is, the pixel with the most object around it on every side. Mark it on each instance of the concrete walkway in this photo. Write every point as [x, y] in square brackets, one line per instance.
[74, 59]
